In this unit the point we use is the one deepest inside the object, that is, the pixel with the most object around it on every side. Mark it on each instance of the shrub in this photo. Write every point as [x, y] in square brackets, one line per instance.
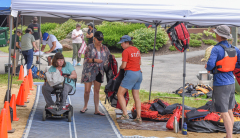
[46, 27]
[207, 32]
[209, 42]
[144, 38]
[197, 36]
[195, 43]
[113, 31]
[214, 35]
[64, 29]
[172, 48]
[238, 41]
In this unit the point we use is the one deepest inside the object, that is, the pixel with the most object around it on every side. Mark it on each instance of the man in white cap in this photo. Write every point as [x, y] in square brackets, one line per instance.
[222, 62]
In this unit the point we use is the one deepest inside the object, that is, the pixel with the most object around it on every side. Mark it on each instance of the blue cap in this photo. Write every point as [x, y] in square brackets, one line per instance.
[124, 39]
[45, 35]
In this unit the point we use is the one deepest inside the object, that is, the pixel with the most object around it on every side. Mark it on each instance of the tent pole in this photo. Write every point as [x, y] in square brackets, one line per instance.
[9, 57]
[39, 43]
[20, 42]
[184, 76]
[156, 24]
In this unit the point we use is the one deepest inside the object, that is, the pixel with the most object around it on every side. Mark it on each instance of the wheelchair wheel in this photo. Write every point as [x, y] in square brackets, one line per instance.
[71, 109]
[69, 116]
[44, 115]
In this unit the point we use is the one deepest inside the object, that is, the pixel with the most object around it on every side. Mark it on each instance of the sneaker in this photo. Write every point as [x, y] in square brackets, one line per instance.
[78, 64]
[74, 62]
[38, 62]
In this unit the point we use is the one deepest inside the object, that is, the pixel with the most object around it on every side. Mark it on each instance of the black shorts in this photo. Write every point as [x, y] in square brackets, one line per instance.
[99, 78]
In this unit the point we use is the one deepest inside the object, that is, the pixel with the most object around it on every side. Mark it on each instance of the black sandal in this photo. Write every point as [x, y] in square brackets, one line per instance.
[84, 110]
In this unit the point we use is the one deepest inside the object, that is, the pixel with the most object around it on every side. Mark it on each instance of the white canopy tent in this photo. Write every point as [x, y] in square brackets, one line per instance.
[204, 13]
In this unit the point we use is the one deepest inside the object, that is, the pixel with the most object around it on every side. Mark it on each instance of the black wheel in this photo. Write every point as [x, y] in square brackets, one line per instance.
[71, 109]
[44, 115]
[70, 116]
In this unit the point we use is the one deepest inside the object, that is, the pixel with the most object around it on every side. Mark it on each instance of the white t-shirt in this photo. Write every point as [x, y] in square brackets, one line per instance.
[76, 33]
[51, 39]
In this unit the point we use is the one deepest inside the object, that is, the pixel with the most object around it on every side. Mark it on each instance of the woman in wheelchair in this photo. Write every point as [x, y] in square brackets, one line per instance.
[58, 63]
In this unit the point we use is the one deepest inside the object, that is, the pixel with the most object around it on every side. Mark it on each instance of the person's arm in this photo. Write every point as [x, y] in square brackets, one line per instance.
[124, 59]
[53, 47]
[74, 36]
[73, 75]
[43, 47]
[89, 35]
[212, 59]
[17, 45]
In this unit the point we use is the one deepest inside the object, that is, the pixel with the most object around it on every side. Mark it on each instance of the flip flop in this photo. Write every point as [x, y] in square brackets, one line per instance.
[83, 111]
[101, 114]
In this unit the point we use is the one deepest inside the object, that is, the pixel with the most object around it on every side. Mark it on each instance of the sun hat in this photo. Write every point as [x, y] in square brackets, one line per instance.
[45, 35]
[99, 35]
[124, 38]
[223, 31]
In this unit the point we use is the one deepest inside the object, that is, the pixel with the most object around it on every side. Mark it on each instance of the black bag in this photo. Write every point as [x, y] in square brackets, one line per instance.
[193, 114]
[157, 107]
[169, 109]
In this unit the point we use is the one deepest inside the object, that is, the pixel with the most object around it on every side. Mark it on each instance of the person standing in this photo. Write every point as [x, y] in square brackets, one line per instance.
[91, 31]
[53, 43]
[96, 56]
[77, 38]
[131, 61]
[223, 97]
[36, 30]
[27, 45]
[17, 33]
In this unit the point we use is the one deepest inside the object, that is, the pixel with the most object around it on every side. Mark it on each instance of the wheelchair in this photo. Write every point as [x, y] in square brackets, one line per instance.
[58, 112]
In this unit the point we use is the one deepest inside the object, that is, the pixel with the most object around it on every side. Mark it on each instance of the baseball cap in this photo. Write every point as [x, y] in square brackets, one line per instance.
[19, 30]
[99, 35]
[90, 24]
[45, 35]
[124, 38]
[223, 31]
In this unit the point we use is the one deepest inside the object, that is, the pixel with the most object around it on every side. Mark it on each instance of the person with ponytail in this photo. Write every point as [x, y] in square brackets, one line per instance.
[131, 61]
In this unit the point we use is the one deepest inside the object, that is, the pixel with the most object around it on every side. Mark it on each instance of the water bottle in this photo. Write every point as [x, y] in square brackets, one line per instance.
[175, 125]
[184, 129]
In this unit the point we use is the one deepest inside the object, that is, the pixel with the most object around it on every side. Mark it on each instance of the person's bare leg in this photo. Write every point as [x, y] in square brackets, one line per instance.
[121, 99]
[231, 116]
[137, 102]
[228, 124]
[87, 89]
[49, 61]
[97, 86]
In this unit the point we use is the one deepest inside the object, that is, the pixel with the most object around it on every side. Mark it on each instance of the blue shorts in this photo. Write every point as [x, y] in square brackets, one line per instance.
[132, 80]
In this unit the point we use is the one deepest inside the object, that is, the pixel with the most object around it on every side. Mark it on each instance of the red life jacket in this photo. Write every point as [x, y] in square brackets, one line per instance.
[229, 61]
[179, 36]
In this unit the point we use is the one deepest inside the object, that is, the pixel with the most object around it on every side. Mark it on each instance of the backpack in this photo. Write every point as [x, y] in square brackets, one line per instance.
[179, 36]
[111, 68]
[34, 72]
[111, 90]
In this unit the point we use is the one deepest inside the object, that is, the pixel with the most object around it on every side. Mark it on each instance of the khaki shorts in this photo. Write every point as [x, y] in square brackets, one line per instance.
[37, 42]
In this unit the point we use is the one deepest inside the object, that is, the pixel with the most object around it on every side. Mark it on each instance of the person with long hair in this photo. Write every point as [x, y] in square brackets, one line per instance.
[96, 56]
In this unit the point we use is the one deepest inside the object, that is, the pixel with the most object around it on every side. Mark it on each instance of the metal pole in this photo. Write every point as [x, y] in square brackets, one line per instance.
[21, 41]
[9, 57]
[93, 28]
[39, 42]
[184, 76]
[156, 24]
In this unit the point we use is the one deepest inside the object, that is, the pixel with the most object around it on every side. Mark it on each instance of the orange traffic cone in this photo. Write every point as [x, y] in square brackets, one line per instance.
[30, 79]
[21, 74]
[9, 125]
[25, 90]
[13, 105]
[20, 98]
[3, 124]
[28, 88]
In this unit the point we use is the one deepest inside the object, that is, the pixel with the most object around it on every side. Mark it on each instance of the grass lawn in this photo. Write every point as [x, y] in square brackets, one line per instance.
[4, 80]
[67, 54]
[170, 98]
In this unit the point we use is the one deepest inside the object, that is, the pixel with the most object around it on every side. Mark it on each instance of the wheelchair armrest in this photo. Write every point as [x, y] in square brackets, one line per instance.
[57, 87]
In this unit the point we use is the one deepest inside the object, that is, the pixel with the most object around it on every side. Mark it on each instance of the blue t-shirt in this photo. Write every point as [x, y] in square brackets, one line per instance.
[68, 70]
[218, 53]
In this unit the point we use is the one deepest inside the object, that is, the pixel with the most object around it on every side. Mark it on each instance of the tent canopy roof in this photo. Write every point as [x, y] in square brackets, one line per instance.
[207, 12]
[5, 7]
